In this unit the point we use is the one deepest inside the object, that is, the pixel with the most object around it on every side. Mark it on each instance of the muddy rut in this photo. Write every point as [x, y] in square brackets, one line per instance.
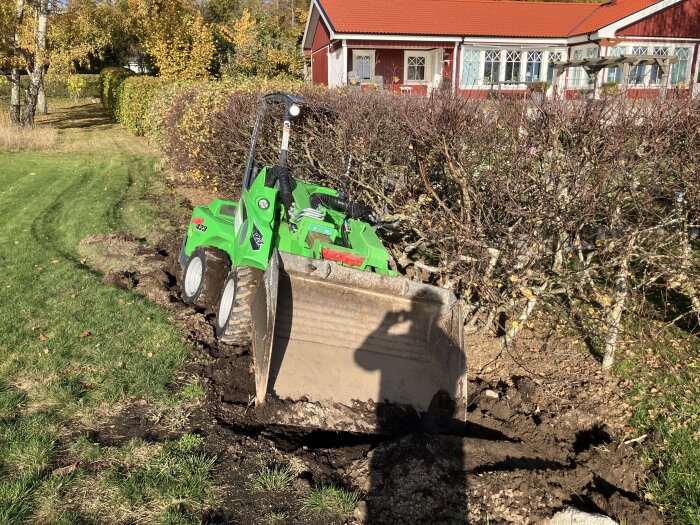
[546, 430]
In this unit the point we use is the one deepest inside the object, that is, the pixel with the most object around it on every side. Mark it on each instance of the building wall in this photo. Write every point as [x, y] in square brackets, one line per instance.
[322, 36]
[678, 21]
[319, 54]
[389, 62]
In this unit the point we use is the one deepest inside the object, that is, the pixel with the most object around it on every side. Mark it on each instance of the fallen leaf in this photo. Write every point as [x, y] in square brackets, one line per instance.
[84, 333]
[73, 295]
[62, 471]
[143, 402]
[42, 337]
[150, 354]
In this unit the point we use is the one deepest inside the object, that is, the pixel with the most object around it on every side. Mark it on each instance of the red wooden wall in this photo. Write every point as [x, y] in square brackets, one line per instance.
[319, 54]
[678, 21]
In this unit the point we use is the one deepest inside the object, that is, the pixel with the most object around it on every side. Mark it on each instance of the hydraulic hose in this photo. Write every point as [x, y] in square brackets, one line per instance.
[281, 175]
[356, 210]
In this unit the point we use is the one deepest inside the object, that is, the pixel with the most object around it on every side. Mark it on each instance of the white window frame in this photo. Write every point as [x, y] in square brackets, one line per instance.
[579, 74]
[651, 46]
[545, 51]
[364, 52]
[506, 56]
[526, 61]
[547, 58]
[421, 54]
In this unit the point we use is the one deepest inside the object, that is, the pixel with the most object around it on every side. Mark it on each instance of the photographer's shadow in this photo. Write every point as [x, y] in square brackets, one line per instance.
[418, 476]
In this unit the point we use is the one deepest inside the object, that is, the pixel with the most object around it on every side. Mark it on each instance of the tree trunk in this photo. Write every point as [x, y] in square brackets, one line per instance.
[15, 96]
[36, 73]
[42, 103]
[15, 93]
[615, 316]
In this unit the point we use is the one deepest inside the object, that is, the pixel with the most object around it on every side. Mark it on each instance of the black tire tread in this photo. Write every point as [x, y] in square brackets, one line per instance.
[238, 329]
[216, 268]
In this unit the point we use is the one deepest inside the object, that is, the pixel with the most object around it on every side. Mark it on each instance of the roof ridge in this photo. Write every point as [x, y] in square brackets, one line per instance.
[542, 2]
[612, 3]
[587, 18]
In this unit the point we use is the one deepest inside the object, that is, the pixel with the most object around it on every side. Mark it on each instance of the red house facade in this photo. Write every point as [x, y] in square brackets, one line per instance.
[473, 47]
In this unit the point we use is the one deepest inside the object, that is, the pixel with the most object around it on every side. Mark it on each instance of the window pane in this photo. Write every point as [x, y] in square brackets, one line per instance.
[470, 67]
[363, 66]
[553, 57]
[577, 73]
[533, 69]
[655, 73]
[492, 66]
[637, 73]
[614, 74]
[512, 66]
[416, 68]
[679, 70]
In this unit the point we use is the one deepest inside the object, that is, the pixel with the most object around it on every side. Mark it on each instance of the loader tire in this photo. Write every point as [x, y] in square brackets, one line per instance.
[204, 276]
[234, 319]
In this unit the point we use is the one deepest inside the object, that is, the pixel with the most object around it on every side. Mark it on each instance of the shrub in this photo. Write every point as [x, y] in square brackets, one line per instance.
[111, 83]
[59, 86]
[510, 205]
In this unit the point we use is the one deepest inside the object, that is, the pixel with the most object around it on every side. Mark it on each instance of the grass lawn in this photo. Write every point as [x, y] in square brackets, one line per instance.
[73, 351]
[665, 375]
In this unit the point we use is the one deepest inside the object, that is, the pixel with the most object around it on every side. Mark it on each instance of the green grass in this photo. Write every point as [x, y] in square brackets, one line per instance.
[55, 379]
[666, 403]
[330, 502]
[272, 479]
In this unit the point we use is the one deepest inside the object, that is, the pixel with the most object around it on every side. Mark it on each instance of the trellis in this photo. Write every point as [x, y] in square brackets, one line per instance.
[593, 66]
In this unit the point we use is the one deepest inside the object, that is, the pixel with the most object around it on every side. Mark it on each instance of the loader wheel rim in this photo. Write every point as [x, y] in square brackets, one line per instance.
[193, 277]
[226, 305]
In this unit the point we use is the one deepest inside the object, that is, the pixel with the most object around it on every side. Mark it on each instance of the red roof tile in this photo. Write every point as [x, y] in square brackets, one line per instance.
[474, 17]
[609, 13]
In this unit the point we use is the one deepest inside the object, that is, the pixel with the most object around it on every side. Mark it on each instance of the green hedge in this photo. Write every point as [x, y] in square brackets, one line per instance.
[61, 86]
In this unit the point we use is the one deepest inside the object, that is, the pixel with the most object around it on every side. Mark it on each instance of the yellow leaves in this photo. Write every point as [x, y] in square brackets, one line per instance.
[178, 39]
[603, 299]
[527, 293]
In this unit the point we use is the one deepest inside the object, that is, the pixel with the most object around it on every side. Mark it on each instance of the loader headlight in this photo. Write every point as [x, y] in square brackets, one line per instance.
[294, 110]
[263, 204]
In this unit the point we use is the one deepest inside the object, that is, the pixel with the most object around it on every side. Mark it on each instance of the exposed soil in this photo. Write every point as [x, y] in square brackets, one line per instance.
[546, 429]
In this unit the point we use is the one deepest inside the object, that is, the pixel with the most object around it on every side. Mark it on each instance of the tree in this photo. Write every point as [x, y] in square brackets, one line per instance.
[262, 40]
[36, 58]
[83, 31]
[175, 35]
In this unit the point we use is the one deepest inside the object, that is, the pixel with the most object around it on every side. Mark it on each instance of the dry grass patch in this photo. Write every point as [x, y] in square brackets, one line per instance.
[14, 138]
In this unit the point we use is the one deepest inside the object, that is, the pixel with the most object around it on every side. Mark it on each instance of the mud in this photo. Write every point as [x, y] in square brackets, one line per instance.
[545, 429]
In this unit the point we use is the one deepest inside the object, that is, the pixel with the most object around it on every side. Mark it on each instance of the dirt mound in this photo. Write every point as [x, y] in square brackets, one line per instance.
[535, 442]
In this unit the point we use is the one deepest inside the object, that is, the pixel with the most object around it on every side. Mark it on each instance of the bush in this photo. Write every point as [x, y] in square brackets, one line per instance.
[61, 86]
[111, 83]
[512, 205]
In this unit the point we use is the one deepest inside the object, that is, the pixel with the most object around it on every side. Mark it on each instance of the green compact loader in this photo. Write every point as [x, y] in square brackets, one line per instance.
[297, 272]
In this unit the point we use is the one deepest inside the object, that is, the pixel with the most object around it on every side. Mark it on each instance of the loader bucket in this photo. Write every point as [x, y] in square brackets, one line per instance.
[342, 349]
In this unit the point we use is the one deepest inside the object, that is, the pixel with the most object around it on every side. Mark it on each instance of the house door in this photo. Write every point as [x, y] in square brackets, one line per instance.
[436, 65]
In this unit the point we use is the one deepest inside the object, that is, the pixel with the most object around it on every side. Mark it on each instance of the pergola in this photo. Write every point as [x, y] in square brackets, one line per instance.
[592, 66]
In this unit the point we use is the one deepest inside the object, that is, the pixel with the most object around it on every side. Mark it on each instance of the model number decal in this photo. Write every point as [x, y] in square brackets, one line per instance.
[201, 227]
[256, 238]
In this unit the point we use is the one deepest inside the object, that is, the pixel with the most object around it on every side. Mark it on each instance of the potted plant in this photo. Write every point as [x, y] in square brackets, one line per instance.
[609, 88]
[537, 89]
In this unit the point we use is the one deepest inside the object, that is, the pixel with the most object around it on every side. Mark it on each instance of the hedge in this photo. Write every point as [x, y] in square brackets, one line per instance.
[504, 201]
[61, 86]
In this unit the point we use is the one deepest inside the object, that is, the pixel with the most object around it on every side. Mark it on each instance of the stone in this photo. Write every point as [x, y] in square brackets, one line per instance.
[571, 516]
[360, 512]
[490, 393]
